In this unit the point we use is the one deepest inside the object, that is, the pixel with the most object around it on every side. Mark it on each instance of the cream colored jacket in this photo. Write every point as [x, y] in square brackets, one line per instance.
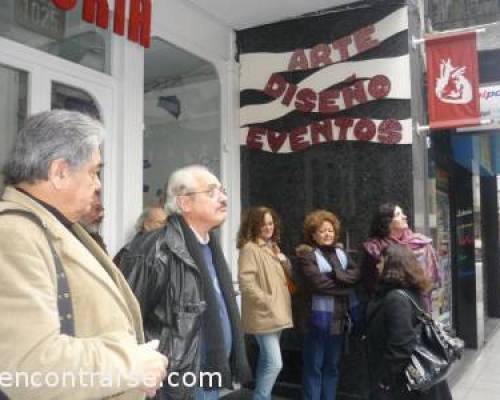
[265, 300]
[106, 315]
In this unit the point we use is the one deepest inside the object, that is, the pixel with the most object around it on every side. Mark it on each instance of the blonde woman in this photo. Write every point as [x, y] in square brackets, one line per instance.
[265, 299]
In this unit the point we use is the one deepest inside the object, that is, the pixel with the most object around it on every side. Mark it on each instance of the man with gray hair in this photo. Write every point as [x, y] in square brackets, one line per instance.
[70, 327]
[184, 286]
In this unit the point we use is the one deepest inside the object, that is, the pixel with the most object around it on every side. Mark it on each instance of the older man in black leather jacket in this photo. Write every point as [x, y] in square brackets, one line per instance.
[184, 286]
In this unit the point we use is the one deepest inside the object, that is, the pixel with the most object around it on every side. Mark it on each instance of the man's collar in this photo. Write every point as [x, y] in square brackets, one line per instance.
[199, 237]
[54, 211]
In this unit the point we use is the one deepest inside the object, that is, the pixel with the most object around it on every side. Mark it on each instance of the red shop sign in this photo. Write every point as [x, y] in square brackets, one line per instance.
[97, 12]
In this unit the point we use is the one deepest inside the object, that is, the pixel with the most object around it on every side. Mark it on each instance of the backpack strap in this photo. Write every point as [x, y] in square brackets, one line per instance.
[64, 304]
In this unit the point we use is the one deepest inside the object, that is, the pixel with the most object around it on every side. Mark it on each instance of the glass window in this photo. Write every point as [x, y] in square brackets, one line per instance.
[40, 24]
[13, 106]
[440, 191]
[181, 116]
[71, 98]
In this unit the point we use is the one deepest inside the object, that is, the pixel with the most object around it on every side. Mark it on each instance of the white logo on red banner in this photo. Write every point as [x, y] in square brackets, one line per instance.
[453, 80]
[452, 86]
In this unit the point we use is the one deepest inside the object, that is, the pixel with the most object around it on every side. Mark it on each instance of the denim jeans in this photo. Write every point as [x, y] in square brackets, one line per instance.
[201, 394]
[268, 366]
[321, 358]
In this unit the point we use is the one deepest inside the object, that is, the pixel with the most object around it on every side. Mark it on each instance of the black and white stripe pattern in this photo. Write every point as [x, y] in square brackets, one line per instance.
[340, 76]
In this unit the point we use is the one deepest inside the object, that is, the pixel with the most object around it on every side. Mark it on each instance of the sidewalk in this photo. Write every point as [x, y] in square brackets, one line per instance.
[478, 374]
[475, 377]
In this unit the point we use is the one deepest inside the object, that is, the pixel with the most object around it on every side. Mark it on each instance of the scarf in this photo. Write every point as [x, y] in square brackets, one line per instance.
[237, 365]
[323, 306]
[421, 246]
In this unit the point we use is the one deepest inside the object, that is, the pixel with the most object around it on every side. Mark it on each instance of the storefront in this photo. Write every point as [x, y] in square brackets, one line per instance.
[163, 106]
[463, 169]
[175, 97]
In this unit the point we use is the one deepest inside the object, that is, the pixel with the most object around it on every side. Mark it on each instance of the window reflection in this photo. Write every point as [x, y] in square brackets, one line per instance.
[41, 25]
[181, 115]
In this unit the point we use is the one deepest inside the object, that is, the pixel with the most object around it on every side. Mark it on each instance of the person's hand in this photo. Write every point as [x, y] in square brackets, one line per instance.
[151, 368]
[282, 258]
[277, 251]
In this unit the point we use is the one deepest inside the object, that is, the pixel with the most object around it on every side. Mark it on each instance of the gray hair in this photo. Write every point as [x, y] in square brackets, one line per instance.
[48, 136]
[182, 181]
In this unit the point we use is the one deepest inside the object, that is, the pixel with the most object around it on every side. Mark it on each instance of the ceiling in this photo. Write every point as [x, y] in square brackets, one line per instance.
[165, 64]
[241, 14]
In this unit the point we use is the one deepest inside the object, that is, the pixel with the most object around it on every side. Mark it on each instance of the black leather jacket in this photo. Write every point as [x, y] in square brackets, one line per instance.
[168, 285]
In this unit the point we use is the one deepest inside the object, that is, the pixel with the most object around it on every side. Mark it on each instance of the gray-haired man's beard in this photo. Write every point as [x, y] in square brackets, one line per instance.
[91, 228]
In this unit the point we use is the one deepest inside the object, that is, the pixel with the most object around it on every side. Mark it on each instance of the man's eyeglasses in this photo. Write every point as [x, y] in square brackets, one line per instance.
[212, 192]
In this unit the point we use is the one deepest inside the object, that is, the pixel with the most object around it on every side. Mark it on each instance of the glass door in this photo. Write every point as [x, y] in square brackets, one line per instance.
[13, 109]
[32, 82]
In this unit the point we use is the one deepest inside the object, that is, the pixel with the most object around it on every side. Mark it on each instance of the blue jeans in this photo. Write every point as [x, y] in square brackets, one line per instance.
[321, 359]
[268, 366]
[201, 394]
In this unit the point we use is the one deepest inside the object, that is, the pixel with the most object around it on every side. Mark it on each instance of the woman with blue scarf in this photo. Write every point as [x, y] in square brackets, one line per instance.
[327, 275]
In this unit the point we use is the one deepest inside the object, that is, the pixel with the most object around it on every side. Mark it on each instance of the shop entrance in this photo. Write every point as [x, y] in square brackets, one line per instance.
[33, 81]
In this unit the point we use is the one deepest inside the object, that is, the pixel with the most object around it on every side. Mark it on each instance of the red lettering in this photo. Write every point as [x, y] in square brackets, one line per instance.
[290, 92]
[64, 4]
[390, 131]
[354, 92]
[323, 128]
[363, 39]
[305, 100]
[275, 86]
[139, 22]
[298, 60]
[379, 86]
[254, 137]
[119, 19]
[365, 129]
[93, 7]
[327, 101]
[320, 55]
[276, 140]
[342, 45]
[297, 140]
[344, 124]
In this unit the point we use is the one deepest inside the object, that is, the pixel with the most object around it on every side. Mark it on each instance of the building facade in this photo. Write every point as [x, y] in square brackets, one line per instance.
[186, 94]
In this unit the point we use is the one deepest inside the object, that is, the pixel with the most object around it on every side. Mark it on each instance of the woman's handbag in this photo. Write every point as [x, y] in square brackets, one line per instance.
[434, 353]
[292, 286]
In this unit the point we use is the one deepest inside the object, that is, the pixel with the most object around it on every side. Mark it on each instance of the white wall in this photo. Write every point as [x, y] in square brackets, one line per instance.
[193, 137]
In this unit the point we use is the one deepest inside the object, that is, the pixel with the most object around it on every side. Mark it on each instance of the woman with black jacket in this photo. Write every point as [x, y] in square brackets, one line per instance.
[392, 326]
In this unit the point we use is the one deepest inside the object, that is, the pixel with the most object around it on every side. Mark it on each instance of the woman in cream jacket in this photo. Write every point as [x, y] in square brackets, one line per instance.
[266, 304]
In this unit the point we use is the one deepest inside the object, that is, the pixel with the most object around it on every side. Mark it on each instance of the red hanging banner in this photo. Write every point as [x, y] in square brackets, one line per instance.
[452, 80]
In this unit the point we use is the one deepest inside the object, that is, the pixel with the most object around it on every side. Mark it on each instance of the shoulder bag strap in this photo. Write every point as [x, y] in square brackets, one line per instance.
[417, 307]
[64, 303]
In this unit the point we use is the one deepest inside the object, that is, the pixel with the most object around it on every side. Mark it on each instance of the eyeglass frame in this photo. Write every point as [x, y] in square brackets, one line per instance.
[211, 192]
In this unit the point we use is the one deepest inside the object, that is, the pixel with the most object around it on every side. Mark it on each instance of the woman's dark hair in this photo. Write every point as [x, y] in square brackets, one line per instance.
[401, 265]
[381, 220]
[314, 220]
[251, 225]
